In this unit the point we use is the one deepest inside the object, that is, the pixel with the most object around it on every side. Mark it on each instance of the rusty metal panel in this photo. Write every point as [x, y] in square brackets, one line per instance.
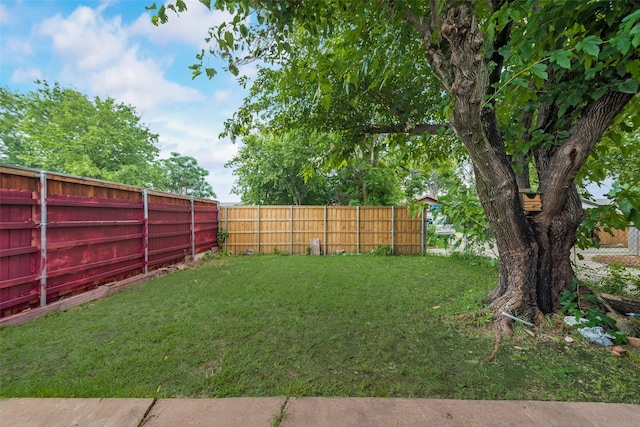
[19, 249]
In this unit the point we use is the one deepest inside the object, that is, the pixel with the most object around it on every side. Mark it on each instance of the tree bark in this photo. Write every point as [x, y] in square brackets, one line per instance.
[534, 248]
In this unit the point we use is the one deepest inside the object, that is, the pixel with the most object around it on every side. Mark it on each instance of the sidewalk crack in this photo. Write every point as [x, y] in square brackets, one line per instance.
[277, 419]
[145, 417]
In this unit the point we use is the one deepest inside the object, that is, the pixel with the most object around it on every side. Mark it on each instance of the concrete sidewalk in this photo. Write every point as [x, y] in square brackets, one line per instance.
[310, 412]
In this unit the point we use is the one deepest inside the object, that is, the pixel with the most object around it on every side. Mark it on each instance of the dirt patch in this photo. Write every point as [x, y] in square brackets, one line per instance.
[632, 261]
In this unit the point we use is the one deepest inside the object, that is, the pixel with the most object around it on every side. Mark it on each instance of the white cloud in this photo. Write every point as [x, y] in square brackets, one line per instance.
[99, 55]
[21, 75]
[106, 56]
[190, 27]
[16, 46]
[86, 38]
[222, 95]
[140, 82]
[4, 15]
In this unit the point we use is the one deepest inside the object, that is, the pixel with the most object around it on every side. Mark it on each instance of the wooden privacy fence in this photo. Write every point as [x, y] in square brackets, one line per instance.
[289, 229]
[61, 234]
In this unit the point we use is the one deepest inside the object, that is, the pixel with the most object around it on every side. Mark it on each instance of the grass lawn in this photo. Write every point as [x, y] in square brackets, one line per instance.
[305, 326]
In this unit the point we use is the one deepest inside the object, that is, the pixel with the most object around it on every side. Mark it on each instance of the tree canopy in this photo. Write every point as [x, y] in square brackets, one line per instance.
[61, 130]
[528, 87]
[182, 175]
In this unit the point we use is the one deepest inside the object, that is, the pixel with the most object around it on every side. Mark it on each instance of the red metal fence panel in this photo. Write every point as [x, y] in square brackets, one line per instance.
[61, 235]
[19, 248]
[90, 240]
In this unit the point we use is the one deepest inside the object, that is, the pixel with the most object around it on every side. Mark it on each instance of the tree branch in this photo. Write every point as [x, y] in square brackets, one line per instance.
[407, 128]
[567, 160]
[435, 54]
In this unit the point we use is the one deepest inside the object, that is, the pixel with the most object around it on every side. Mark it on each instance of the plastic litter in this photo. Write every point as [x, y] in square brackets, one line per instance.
[633, 314]
[597, 335]
[571, 320]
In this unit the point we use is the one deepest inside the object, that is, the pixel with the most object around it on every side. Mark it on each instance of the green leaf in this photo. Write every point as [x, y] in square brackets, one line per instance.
[562, 58]
[590, 44]
[210, 72]
[152, 7]
[243, 30]
[627, 86]
[597, 93]
[326, 102]
[540, 70]
[228, 38]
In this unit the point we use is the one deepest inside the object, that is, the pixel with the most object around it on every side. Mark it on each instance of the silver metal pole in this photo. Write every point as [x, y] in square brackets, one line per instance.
[422, 232]
[325, 230]
[43, 238]
[193, 230]
[358, 229]
[291, 230]
[258, 229]
[145, 229]
[393, 226]
[226, 224]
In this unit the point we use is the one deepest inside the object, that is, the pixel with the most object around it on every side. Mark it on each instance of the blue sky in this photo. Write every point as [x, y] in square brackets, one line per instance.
[110, 48]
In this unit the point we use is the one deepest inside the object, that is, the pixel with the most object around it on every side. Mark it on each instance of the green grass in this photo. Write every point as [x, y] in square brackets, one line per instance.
[304, 326]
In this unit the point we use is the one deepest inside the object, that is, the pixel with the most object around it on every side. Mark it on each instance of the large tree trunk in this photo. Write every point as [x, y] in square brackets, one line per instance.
[534, 248]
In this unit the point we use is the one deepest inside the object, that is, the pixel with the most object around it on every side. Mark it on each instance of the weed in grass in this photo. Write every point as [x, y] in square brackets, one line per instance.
[302, 326]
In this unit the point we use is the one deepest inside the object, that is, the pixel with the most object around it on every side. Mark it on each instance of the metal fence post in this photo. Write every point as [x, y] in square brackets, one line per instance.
[43, 238]
[226, 225]
[193, 230]
[291, 230]
[422, 232]
[258, 229]
[145, 229]
[325, 230]
[393, 226]
[357, 229]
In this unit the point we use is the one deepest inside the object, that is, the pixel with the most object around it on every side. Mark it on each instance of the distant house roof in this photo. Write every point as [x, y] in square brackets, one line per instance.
[428, 200]
[588, 204]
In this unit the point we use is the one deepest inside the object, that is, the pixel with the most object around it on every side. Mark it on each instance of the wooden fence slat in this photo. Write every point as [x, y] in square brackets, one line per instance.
[340, 228]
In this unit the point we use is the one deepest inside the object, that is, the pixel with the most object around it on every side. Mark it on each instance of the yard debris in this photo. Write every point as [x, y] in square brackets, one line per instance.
[568, 339]
[597, 335]
[571, 320]
[633, 341]
[517, 319]
[618, 351]
[249, 252]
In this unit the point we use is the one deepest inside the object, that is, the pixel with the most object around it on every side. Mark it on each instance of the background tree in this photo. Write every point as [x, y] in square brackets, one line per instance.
[182, 175]
[62, 130]
[529, 83]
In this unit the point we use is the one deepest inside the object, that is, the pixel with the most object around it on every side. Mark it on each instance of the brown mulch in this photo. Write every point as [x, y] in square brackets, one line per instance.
[632, 261]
